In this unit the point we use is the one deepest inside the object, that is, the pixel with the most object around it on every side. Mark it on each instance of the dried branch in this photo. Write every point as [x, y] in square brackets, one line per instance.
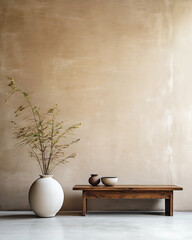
[41, 133]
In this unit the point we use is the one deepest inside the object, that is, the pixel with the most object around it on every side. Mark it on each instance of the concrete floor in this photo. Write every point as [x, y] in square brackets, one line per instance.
[97, 226]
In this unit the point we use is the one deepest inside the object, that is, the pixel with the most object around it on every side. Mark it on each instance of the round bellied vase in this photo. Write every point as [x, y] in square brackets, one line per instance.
[46, 196]
[94, 180]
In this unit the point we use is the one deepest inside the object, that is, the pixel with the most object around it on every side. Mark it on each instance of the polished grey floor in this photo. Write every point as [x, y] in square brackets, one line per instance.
[97, 226]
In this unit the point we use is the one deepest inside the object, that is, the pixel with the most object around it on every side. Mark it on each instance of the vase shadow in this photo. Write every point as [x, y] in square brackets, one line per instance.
[17, 216]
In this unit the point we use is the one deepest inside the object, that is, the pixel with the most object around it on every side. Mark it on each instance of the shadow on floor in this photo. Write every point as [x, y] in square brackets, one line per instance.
[68, 213]
[33, 216]
[79, 213]
[17, 216]
[128, 213]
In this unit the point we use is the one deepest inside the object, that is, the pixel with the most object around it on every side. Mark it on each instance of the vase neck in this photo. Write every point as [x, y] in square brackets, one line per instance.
[45, 176]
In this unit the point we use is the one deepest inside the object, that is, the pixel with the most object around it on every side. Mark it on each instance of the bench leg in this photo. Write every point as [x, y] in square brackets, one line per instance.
[84, 203]
[169, 205]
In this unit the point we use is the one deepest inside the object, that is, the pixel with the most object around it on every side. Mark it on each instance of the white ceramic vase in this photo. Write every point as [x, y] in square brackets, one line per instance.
[46, 196]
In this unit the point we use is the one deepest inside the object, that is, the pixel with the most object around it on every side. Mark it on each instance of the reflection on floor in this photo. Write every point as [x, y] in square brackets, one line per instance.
[97, 226]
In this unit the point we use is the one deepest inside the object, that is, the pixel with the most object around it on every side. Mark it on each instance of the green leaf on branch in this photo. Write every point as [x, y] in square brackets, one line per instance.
[26, 95]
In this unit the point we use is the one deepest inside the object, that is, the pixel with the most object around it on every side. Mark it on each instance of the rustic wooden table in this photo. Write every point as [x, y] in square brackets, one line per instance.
[129, 192]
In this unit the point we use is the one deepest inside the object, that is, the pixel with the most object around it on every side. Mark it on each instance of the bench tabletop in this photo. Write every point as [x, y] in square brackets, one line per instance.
[128, 187]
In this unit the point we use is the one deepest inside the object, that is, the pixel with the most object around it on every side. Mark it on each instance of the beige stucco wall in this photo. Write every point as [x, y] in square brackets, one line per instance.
[123, 69]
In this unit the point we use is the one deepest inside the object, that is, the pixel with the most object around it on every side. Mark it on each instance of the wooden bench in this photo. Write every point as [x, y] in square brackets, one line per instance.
[129, 192]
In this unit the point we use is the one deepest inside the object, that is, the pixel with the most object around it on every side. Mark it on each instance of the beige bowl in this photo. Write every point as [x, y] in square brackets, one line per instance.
[109, 181]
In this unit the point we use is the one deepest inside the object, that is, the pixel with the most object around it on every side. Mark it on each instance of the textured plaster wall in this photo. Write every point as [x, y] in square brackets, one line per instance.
[123, 69]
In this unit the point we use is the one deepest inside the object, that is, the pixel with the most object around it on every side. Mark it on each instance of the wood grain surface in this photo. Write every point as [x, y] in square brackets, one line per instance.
[127, 194]
[128, 187]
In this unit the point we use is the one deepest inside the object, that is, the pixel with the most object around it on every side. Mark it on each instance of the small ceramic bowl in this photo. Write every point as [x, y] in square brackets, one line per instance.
[109, 181]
